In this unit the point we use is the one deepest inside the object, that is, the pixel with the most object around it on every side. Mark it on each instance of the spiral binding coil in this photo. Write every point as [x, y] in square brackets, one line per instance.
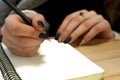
[7, 69]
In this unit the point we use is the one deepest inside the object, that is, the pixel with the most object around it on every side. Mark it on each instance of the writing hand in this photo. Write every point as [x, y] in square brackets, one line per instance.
[21, 38]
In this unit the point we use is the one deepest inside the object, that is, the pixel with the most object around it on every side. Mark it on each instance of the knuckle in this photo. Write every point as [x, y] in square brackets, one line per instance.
[100, 16]
[84, 10]
[97, 28]
[8, 18]
[86, 24]
[13, 29]
[105, 21]
[77, 19]
[107, 24]
[40, 16]
[68, 17]
[93, 12]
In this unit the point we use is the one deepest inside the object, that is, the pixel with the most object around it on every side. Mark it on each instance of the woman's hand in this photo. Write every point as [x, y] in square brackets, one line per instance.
[87, 24]
[20, 38]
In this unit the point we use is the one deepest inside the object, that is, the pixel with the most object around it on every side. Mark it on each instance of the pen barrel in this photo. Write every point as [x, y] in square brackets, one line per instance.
[24, 17]
[18, 11]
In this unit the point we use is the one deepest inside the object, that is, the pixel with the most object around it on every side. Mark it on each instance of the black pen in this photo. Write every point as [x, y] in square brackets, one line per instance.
[18, 11]
[24, 17]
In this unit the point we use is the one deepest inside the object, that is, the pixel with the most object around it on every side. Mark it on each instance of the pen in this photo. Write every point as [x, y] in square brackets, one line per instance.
[18, 11]
[23, 16]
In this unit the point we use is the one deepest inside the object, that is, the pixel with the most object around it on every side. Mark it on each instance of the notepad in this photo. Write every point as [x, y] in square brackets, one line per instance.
[55, 61]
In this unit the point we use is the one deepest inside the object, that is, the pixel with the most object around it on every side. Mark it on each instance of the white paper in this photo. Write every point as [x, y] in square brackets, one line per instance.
[54, 61]
[1, 77]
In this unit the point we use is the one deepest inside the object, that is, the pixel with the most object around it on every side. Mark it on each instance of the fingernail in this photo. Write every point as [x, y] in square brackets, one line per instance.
[57, 36]
[40, 23]
[67, 40]
[43, 35]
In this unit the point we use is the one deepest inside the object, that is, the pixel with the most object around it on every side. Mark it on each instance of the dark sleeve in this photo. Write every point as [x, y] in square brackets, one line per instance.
[116, 25]
[5, 10]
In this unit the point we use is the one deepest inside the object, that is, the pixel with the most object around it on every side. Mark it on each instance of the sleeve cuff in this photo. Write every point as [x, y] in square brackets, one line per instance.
[29, 11]
[116, 34]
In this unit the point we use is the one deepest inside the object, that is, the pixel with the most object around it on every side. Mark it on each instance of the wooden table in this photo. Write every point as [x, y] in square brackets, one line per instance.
[106, 54]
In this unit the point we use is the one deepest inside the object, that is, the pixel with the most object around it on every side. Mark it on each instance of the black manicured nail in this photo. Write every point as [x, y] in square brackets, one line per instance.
[57, 36]
[67, 40]
[40, 23]
[43, 35]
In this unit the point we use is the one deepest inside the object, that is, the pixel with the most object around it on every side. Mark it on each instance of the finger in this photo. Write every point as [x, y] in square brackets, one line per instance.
[101, 29]
[21, 53]
[89, 15]
[93, 32]
[69, 24]
[26, 42]
[85, 27]
[38, 20]
[21, 41]
[19, 29]
[68, 19]
[73, 24]
[11, 45]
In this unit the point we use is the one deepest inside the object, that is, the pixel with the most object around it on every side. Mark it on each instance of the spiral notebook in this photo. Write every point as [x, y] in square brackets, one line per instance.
[54, 61]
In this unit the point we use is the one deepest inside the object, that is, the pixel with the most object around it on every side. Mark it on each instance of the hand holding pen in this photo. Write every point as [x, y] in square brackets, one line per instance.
[25, 18]
[23, 34]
